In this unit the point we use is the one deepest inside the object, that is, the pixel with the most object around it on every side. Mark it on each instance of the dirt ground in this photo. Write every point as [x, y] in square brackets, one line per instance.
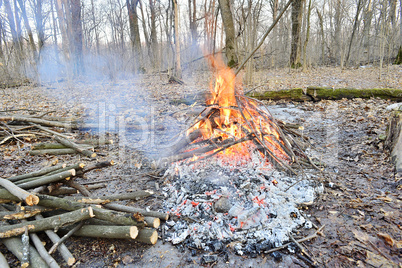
[360, 206]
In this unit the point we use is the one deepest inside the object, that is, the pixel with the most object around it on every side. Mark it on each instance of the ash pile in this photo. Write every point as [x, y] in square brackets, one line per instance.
[250, 207]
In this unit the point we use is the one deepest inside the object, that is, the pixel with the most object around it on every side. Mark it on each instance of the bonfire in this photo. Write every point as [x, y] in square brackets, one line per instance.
[233, 124]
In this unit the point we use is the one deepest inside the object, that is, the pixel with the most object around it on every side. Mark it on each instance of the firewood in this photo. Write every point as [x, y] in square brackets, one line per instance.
[36, 173]
[77, 167]
[68, 190]
[53, 152]
[65, 237]
[104, 214]
[44, 180]
[47, 223]
[43, 252]
[76, 147]
[12, 215]
[152, 222]
[14, 245]
[96, 142]
[46, 146]
[108, 231]
[28, 198]
[148, 236]
[107, 199]
[64, 252]
[156, 214]
[21, 118]
[3, 261]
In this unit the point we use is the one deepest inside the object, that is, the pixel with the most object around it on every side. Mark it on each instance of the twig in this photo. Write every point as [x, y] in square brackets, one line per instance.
[50, 131]
[65, 237]
[36, 173]
[76, 147]
[299, 241]
[65, 253]
[303, 250]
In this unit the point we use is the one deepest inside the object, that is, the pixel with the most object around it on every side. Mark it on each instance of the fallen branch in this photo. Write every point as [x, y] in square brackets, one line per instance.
[12, 215]
[53, 152]
[15, 136]
[53, 222]
[63, 250]
[28, 198]
[35, 182]
[156, 214]
[148, 236]
[3, 261]
[108, 231]
[14, 245]
[65, 237]
[76, 147]
[46, 146]
[43, 252]
[36, 173]
[20, 118]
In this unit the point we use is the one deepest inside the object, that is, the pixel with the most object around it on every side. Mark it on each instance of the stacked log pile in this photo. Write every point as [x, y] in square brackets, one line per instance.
[39, 201]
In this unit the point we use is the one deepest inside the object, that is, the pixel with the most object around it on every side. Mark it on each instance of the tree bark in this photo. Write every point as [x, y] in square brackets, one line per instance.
[134, 32]
[177, 69]
[23, 195]
[76, 31]
[355, 25]
[297, 16]
[49, 223]
[230, 41]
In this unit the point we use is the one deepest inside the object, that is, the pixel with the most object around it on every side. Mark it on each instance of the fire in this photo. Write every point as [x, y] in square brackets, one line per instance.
[238, 122]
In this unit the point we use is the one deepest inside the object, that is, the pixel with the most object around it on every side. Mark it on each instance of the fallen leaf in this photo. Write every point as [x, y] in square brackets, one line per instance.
[387, 238]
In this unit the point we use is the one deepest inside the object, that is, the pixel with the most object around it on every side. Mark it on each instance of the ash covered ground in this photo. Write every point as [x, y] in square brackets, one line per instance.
[361, 200]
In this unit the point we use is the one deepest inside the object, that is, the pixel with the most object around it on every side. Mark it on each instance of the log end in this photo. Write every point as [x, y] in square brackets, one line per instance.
[70, 261]
[72, 171]
[154, 238]
[91, 212]
[152, 222]
[32, 200]
[93, 155]
[133, 232]
[81, 165]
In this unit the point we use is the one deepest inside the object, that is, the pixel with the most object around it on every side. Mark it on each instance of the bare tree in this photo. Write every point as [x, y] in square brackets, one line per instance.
[178, 72]
[355, 25]
[297, 16]
[230, 44]
[134, 32]
[29, 31]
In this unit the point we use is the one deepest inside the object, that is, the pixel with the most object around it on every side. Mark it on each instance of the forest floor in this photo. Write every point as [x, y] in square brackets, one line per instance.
[361, 203]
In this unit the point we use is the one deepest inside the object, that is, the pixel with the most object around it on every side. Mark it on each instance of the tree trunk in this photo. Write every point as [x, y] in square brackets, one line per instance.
[28, 28]
[322, 36]
[307, 37]
[153, 37]
[95, 27]
[11, 23]
[39, 24]
[297, 16]
[76, 27]
[227, 19]
[178, 72]
[355, 25]
[134, 32]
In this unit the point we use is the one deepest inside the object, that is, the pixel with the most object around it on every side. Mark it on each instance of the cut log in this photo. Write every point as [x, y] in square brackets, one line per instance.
[152, 222]
[65, 253]
[12, 215]
[44, 180]
[36, 173]
[53, 222]
[147, 236]
[28, 198]
[137, 195]
[108, 231]
[76, 147]
[14, 245]
[103, 214]
[45, 146]
[3, 261]
[156, 214]
[53, 152]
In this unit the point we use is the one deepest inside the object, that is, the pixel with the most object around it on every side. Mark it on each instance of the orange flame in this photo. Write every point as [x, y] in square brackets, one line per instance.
[230, 123]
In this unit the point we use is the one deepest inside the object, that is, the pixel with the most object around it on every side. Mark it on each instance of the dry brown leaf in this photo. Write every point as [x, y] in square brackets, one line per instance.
[387, 238]
[386, 199]
[377, 260]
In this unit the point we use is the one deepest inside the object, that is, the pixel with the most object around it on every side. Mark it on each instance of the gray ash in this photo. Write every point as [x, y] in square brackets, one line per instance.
[250, 207]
